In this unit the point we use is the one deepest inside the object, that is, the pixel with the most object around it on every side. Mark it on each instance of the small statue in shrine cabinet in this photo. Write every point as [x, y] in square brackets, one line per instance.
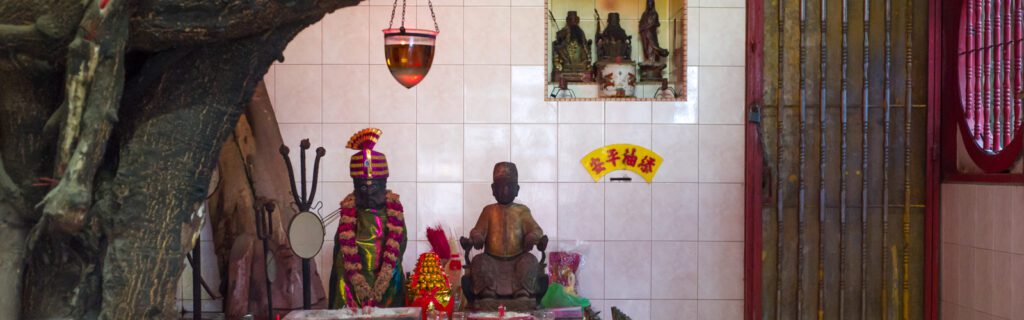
[654, 64]
[615, 69]
[506, 274]
[371, 236]
[571, 52]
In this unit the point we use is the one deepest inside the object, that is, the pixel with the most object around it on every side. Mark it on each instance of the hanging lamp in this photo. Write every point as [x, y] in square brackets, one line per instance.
[409, 52]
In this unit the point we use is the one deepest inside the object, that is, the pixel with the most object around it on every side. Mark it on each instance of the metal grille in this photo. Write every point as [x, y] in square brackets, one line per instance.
[844, 132]
[990, 71]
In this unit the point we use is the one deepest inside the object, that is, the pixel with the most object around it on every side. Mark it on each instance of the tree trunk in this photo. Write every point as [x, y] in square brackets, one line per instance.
[255, 144]
[109, 239]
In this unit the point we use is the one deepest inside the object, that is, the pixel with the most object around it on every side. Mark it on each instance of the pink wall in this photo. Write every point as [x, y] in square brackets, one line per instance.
[982, 270]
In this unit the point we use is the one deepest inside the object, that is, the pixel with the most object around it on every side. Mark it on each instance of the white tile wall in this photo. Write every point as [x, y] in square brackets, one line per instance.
[672, 249]
[982, 264]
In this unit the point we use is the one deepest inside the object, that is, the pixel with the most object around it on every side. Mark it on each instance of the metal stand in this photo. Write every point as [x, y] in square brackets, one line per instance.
[264, 230]
[304, 201]
[197, 276]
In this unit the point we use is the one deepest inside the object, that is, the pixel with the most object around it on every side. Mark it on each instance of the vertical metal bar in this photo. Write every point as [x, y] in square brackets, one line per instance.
[822, 113]
[987, 79]
[801, 216]
[1007, 72]
[907, 121]
[1006, 63]
[997, 61]
[197, 276]
[1019, 49]
[885, 160]
[779, 210]
[977, 54]
[864, 163]
[969, 59]
[842, 166]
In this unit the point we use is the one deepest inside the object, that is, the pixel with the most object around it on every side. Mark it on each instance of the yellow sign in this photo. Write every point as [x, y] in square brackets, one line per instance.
[614, 157]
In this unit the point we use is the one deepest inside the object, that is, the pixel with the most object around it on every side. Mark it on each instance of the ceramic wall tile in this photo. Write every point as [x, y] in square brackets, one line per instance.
[627, 211]
[1001, 288]
[528, 105]
[580, 112]
[627, 270]
[722, 36]
[306, 47]
[720, 274]
[675, 270]
[438, 203]
[449, 45]
[346, 36]
[535, 152]
[398, 143]
[636, 134]
[673, 309]
[495, 3]
[438, 98]
[269, 80]
[722, 3]
[983, 280]
[390, 102]
[575, 141]
[1017, 218]
[298, 89]
[720, 310]
[488, 35]
[627, 112]
[721, 105]
[542, 199]
[677, 145]
[984, 215]
[380, 18]
[721, 153]
[1017, 287]
[950, 272]
[335, 164]
[527, 3]
[680, 112]
[346, 94]
[965, 206]
[486, 145]
[966, 276]
[488, 94]
[528, 35]
[692, 36]
[675, 211]
[721, 212]
[450, 3]
[439, 152]
[476, 196]
[581, 211]
[1002, 225]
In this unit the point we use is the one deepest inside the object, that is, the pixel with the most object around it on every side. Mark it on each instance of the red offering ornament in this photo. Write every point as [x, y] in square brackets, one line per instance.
[429, 288]
[409, 53]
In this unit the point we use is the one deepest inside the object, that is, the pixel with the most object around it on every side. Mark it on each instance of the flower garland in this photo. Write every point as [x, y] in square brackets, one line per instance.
[350, 252]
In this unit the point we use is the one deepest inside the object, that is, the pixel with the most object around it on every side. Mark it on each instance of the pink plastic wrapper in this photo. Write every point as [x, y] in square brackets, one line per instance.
[564, 267]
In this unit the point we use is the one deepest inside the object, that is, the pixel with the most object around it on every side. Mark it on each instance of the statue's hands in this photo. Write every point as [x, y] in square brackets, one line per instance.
[542, 244]
[466, 243]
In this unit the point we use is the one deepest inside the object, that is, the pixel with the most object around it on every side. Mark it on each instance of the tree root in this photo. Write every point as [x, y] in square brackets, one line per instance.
[95, 80]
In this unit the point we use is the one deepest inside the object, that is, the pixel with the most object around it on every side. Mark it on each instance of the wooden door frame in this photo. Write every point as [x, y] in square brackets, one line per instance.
[753, 244]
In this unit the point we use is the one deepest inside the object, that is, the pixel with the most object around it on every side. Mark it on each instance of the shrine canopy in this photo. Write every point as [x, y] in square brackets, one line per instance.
[616, 157]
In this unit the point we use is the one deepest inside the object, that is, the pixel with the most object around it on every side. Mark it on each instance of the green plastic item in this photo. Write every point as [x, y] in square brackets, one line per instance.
[558, 297]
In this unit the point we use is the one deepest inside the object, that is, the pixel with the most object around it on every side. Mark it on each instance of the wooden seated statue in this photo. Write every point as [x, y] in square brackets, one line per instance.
[505, 273]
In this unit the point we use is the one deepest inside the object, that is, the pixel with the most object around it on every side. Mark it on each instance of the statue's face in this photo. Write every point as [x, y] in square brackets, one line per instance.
[573, 20]
[613, 20]
[370, 193]
[505, 191]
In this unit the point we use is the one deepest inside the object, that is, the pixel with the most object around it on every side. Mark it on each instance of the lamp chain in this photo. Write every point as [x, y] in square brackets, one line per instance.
[394, 6]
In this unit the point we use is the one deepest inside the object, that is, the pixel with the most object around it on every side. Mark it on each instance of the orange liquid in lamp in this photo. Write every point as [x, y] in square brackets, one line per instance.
[409, 64]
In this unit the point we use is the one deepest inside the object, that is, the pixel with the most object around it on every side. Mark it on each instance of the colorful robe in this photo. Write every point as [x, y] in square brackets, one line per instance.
[371, 235]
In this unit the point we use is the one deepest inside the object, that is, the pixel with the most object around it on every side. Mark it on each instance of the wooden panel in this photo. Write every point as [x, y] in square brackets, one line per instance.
[806, 272]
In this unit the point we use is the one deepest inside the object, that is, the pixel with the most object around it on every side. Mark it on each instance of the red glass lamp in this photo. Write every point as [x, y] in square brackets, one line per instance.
[409, 53]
